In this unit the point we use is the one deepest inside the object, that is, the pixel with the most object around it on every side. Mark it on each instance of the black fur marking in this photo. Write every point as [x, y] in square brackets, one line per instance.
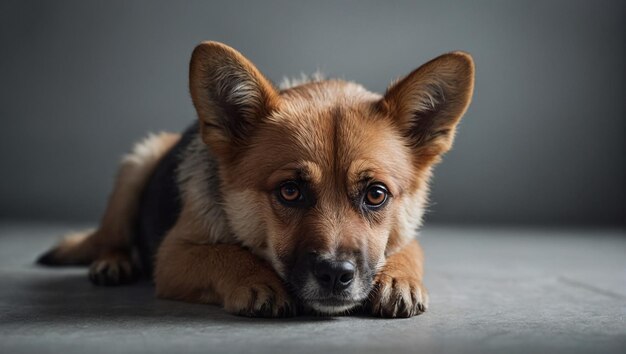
[160, 204]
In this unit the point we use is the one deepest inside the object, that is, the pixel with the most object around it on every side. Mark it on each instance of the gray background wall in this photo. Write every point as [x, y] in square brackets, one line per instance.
[543, 142]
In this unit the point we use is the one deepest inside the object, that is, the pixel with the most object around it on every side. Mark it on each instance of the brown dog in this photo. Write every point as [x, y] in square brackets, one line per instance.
[308, 197]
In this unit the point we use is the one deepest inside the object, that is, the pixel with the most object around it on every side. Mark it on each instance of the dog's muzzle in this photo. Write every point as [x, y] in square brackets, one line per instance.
[330, 283]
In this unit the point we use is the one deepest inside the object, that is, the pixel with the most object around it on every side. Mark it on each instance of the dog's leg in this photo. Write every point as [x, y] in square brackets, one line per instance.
[113, 264]
[108, 248]
[222, 274]
[398, 290]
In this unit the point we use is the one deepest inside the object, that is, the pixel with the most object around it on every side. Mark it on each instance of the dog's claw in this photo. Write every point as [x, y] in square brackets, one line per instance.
[393, 297]
[112, 271]
[260, 300]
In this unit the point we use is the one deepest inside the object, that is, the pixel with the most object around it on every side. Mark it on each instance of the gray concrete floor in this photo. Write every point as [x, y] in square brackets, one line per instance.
[492, 290]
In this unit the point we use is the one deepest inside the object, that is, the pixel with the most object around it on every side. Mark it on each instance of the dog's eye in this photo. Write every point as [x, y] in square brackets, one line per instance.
[290, 192]
[376, 195]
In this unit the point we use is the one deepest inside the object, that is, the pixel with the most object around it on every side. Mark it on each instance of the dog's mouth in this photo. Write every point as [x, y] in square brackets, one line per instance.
[333, 305]
[323, 300]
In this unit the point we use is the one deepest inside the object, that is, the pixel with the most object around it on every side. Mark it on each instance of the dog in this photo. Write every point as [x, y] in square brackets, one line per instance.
[281, 201]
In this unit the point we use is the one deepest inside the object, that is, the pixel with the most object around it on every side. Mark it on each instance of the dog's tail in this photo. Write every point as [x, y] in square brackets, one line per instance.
[77, 248]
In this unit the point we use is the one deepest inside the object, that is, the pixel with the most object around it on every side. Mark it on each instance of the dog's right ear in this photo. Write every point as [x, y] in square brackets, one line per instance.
[230, 95]
[428, 103]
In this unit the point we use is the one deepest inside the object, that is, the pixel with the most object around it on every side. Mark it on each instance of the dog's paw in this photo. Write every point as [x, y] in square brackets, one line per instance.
[113, 270]
[260, 299]
[398, 297]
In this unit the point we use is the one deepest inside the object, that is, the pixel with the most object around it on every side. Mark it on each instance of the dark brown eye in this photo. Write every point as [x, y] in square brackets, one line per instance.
[290, 192]
[376, 195]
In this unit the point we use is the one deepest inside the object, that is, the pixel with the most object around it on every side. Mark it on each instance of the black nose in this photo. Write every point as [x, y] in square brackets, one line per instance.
[334, 275]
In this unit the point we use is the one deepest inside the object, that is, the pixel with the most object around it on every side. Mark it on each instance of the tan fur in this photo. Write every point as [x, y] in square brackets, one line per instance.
[237, 245]
[191, 270]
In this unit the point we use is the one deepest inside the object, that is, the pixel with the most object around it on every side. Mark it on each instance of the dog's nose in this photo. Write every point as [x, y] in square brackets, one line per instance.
[334, 275]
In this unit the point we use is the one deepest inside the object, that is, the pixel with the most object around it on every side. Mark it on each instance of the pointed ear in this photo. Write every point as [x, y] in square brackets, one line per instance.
[230, 95]
[428, 103]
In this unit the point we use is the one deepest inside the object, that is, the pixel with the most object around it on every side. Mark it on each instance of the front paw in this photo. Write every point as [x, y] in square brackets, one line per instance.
[398, 297]
[260, 299]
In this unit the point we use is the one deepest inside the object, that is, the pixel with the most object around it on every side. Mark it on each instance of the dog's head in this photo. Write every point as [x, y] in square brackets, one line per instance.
[326, 179]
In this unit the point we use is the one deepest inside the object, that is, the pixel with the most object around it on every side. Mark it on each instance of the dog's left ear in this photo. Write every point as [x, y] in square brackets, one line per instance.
[230, 94]
[428, 103]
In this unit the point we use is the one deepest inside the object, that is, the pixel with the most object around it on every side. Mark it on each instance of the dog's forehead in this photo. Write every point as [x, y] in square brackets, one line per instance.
[334, 126]
[317, 118]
